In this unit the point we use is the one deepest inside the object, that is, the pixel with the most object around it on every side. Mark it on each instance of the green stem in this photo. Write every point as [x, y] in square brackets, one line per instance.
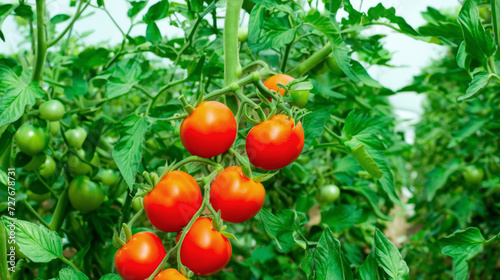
[135, 217]
[66, 261]
[285, 57]
[495, 18]
[79, 12]
[231, 59]
[3, 252]
[60, 212]
[193, 159]
[315, 59]
[163, 262]
[45, 184]
[143, 90]
[41, 47]
[35, 213]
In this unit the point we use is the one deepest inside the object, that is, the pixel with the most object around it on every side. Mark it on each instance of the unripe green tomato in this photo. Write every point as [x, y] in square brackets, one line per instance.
[136, 100]
[84, 194]
[78, 167]
[52, 110]
[239, 71]
[76, 137]
[109, 177]
[328, 194]
[300, 97]
[54, 128]
[137, 204]
[31, 140]
[473, 175]
[48, 167]
[35, 162]
[242, 34]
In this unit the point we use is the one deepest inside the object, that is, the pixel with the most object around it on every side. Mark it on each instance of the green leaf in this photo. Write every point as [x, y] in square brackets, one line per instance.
[137, 6]
[127, 73]
[306, 264]
[341, 217]
[369, 270]
[462, 246]
[37, 242]
[157, 11]
[5, 11]
[19, 92]
[438, 178]
[358, 123]
[263, 254]
[340, 50]
[78, 258]
[372, 199]
[111, 276]
[479, 42]
[153, 34]
[127, 153]
[280, 230]
[314, 124]
[329, 261]
[463, 59]
[59, 18]
[389, 258]
[480, 81]
[471, 127]
[71, 274]
[380, 11]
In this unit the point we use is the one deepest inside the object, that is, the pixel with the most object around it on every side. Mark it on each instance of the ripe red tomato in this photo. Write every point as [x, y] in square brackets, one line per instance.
[140, 257]
[209, 131]
[237, 197]
[173, 202]
[272, 83]
[205, 250]
[170, 274]
[275, 143]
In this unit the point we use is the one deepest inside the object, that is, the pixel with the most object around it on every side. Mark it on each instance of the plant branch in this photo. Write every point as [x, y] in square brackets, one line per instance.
[231, 58]
[79, 12]
[315, 59]
[41, 45]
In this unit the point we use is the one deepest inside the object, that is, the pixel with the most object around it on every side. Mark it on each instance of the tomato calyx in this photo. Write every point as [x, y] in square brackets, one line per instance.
[187, 107]
[244, 164]
[124, 238]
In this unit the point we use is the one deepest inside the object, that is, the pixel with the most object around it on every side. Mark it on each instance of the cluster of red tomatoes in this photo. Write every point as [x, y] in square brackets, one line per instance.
[208, 131]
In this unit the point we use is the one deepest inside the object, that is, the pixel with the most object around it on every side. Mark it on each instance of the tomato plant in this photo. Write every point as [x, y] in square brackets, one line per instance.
[248, 139]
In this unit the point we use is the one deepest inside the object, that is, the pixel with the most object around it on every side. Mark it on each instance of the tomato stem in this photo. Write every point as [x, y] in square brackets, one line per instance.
[41, 45]
[188, 107]
[193, 159]
[231, 57]
[35, 214]
[3, 252]
[315, 59]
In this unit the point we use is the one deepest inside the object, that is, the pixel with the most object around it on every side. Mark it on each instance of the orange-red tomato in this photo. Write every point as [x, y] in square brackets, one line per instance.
[275, 143]
[140, 257]
[272, 83]
[237, 197]
[209, 131]
[204, 250]
[170, 274]
[173, 202]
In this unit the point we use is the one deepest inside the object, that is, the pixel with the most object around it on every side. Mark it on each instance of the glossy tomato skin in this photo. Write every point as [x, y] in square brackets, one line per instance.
[328, 194]
[48, 167]
[52, 110]
[237, 197]
[204, 250]
[272, 83]
[76, 137]
[84, 194]
[300, 98]
[140, 257]
[173, 202]
[275, 143]
[473, 175]
[209, 131]
[170, 274]
[31, 140]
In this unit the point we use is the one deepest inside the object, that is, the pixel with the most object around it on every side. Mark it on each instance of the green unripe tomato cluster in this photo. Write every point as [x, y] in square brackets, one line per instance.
[54, 128]
[473, 175]
[76, 137]
[77, 166]
[31, 140]
[35, 162]
[84, 194]
[52, 110]
[109, 177]
[328, 194]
